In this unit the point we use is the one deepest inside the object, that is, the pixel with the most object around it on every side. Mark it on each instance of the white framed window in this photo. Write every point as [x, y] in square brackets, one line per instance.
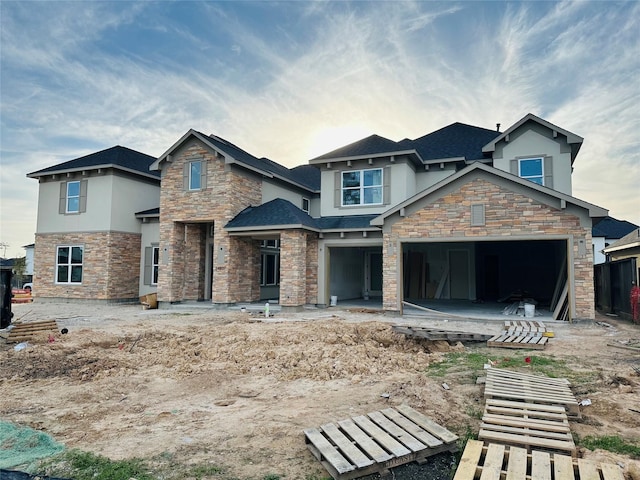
[532, 169]
[155, 264]
[73, 197]
[305, 205]
[271, 243]
[195, 175]
[362, 187]
[69, 264]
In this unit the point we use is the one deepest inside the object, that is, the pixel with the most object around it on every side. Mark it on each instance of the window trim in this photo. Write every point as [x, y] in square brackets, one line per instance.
[70, 264]
[361, 187]
[306, 201]
[531, 178]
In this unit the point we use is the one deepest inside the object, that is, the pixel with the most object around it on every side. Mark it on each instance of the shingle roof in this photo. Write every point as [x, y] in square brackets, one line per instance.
[374, 144]
[281, 212]
[631, 239]
[455, 140]
[275, 213]
[304, 177]
[150, 212]
[610, 227]
[117, 156]
[345, 222]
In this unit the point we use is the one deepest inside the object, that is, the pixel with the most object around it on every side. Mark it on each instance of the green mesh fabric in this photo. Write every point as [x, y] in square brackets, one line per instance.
[21, 445]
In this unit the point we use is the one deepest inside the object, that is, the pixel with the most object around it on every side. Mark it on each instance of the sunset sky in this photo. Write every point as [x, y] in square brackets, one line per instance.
[293, 80]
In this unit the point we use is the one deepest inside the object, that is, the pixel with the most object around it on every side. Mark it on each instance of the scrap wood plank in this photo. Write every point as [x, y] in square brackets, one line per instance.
[530, 388]
[479, 462]
[527, 438]
[501, 372]
[25, 331]
[433, 335]
[375, 442]
[533, 326]
[534, 341]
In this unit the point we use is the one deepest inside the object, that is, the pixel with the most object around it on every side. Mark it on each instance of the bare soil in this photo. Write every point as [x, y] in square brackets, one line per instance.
[236, 390]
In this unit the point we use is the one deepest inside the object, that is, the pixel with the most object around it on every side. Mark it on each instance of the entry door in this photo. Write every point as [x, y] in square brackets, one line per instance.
[459, 274]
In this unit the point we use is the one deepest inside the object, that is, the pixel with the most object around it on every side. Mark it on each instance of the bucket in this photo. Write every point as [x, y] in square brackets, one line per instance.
[334, 300]
[529, 310]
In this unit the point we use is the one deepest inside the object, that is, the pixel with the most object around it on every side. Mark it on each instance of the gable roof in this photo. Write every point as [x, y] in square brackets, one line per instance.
[594, 210]
[457, 140]
[575, 141]
[302, 177]
[630, 240]
[118, 157]
[610, 227]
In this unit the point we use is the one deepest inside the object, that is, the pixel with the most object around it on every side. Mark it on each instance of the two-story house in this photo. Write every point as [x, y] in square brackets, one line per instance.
[88, 239]
[461, 213]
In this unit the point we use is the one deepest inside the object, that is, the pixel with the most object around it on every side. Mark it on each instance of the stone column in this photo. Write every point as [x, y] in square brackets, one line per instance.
[293, 268]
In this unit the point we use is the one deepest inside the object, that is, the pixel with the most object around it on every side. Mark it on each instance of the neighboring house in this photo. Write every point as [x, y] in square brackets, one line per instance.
[615, 277]
[607, 231]
[461, 213]
[29, 252]
[627, 247]
[87, 236]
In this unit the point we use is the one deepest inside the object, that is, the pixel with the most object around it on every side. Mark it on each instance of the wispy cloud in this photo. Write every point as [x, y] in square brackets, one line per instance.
[271, 78]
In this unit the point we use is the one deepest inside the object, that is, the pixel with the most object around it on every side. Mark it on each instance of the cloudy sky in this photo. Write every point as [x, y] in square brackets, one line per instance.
[292, 80]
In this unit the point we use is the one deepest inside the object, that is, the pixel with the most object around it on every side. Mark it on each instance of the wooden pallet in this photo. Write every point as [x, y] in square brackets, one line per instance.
[434, 335]
[22, 332]
[533, 341]
[532, 326]
[524, 387]
[497, 462]
[528, 425]
[374, 443]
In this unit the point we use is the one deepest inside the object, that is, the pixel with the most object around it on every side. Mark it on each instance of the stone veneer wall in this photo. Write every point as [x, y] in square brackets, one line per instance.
[312, 268]
[293, 268]
[226, 194]
[110, 267]
[506, 214]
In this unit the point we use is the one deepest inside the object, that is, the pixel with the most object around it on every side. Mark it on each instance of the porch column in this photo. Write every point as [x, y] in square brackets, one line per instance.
[391, 272]
[293, 268]
[170, 273]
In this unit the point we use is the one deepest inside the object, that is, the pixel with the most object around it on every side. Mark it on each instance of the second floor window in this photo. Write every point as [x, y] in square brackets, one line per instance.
[195, 174]
[532, 169]
[362, 187]
[73, 197]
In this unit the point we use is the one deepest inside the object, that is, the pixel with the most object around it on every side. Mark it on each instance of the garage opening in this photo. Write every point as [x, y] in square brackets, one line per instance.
[484, 272]
[355, 273]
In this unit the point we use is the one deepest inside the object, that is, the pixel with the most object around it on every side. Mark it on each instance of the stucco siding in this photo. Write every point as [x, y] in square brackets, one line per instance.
[534, 142]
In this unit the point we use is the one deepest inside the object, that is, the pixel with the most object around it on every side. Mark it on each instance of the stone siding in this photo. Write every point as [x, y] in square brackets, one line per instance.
[227, 192]
[293, 268]
[110, 267]
[506, 214]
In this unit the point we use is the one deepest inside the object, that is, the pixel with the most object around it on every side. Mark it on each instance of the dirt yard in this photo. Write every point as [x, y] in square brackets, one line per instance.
[236, 390]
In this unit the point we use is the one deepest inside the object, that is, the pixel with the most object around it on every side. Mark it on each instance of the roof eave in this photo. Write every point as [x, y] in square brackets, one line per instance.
[92, 167]
[572, 138]
[320, 161]
[269, 228]
[621, 247]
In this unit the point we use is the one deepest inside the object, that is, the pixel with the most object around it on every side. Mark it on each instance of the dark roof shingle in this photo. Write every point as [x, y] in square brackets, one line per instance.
[610, 227]
[117, 156]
